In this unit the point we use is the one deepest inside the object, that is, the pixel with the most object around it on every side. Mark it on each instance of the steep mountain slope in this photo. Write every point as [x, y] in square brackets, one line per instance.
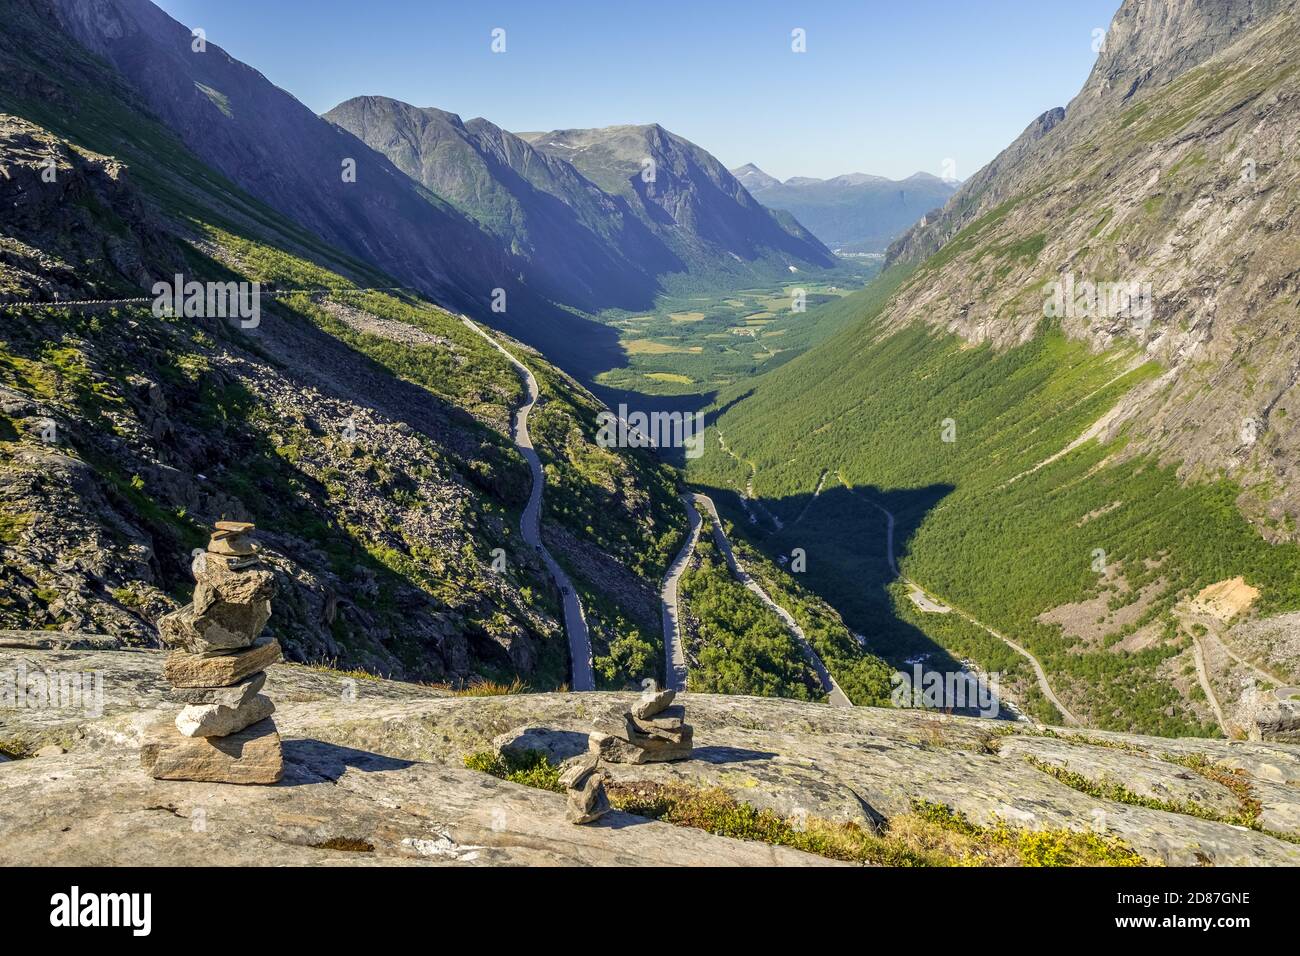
[852, 213]
[366, 432]
[688, 199]
[585, 244]
[1072, 475]
[278, 150]
[1170, 169]
[270, 144]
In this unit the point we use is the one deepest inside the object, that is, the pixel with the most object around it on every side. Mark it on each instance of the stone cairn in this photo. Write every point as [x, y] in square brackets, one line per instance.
[584, 779]
[653, 731]
[217, 668]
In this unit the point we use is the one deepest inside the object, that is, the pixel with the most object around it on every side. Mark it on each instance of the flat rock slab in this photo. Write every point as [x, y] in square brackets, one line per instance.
[182, 669]
[335, 807]
[57, 640]
[132, 685]
[861, 764]
[252, 756]
[1139, 773]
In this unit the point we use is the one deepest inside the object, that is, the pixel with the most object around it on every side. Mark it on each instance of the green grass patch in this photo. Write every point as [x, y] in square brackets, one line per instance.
[930, 834]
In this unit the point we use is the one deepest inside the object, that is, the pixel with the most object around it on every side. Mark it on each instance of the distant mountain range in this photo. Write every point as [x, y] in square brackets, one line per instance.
[601, 215]
[856, 212]
[586, 245]
[689, 198]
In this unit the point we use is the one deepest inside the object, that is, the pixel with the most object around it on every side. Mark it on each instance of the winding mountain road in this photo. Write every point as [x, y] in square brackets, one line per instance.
[1203, 675]
[674, 643]
[1040, 674]
[835, 695]
[1214, 630]
[575, 622]
[747, 496]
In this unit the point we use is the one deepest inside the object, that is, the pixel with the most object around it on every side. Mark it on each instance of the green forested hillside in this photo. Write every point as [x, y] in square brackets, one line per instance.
[735, 644]
[865, 679]
[1007, 520]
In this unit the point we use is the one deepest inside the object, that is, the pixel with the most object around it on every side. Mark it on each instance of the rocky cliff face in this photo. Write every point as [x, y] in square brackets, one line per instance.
[1151, 42]
[1168, 175]
[121, 432]
[116, 449]
[73, 221]
[355, 751]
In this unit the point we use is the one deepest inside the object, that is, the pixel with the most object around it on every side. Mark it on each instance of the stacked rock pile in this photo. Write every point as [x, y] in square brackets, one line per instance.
[585, 782]
[217, 669]
[653, 731]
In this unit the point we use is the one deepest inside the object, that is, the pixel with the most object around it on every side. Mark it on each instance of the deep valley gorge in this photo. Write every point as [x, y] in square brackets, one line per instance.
[946, 522]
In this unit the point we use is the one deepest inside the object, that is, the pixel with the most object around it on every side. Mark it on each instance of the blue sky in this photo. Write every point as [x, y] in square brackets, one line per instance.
[884, 87]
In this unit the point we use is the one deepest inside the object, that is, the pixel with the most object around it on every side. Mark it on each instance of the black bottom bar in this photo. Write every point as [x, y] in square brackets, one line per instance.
[332, 905]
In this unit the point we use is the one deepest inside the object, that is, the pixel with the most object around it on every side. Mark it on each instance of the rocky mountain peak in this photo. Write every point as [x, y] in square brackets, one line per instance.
[1150, 42]
[752, 178]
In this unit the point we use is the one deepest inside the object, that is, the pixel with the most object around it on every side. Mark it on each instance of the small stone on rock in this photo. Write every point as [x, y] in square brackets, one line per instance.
[587, 800]
[216, 720]
[234, 696]
[649, 706]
